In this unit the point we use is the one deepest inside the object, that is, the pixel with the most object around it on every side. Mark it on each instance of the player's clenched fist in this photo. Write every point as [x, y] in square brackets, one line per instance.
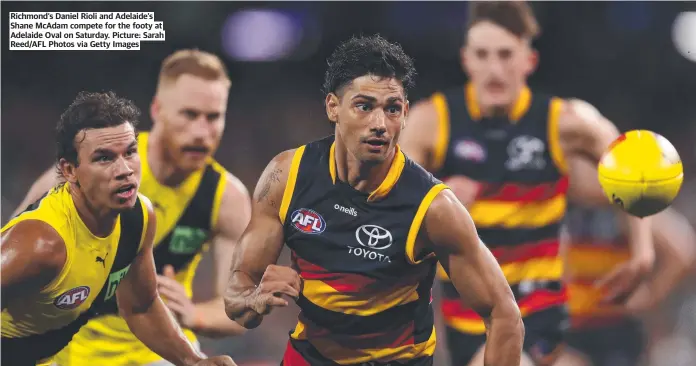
[276, 282]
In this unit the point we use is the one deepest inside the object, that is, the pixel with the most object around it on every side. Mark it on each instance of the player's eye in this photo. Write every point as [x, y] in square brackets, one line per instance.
[102, 159]
[131, 152]
[481, 54]
[394, 109]
[190, 114]
[364, 107]
[505, 54]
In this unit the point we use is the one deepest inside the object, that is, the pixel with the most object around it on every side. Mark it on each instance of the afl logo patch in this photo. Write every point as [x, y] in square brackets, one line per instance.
[72, 298]
[308, 221]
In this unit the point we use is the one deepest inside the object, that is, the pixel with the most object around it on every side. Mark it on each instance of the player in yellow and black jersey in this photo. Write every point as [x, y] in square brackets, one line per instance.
[366, 226]
[197, 203]
[504, 150]
[87, 243]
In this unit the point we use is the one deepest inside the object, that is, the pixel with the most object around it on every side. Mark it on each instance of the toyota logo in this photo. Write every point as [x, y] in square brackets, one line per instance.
[373, 237]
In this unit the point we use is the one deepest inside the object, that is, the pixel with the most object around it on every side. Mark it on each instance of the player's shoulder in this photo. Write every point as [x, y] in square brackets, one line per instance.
[38, 239]
[415, 177]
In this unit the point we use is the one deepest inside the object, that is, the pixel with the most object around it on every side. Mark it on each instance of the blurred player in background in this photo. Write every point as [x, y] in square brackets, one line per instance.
[504, 151]
[196, 202]
[69, 252]
[364, 224]
[594, 243]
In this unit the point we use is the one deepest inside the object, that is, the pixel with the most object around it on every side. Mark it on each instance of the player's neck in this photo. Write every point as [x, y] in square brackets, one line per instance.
[100, 222]
[362, 176]
[161, 164]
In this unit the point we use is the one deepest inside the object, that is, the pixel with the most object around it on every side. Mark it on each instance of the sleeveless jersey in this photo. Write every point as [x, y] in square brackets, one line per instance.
[365, 298]
[521, 203]
[596, 243]
[38, 326]
[186, 217]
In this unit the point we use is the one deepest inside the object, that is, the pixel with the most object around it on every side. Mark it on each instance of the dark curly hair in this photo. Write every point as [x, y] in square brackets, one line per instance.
[91, 111]
[368, 55]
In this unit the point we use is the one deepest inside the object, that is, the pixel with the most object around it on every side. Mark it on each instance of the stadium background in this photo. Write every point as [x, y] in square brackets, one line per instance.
[624, 57]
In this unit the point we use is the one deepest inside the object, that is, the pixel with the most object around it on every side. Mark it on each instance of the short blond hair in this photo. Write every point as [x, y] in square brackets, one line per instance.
[192, 62]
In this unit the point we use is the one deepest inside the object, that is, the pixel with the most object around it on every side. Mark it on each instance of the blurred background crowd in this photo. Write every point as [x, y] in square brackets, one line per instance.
[635, 61]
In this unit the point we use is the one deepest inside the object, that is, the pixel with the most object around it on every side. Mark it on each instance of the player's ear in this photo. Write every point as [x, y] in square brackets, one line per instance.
[154, 110]
[67, 169]
[533, 61]
[406, 109]
[332, 104]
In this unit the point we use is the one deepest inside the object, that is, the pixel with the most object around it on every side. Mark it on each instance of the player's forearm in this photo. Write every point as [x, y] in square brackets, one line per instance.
[237, 307]
[641, 240]
[505, 335]
[213, 322]
[159, 331]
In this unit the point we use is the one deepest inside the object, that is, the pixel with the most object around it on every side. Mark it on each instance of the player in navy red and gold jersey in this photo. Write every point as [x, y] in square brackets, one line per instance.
[197, 202]
[503, 150]
[86, 244]
[594, 243]
[366, 227]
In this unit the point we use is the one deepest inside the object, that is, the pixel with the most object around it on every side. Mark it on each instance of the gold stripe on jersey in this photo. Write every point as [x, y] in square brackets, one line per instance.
[443, 131]
[219, 193]
[290, 184]
[555, 148]
[395, 170]
[518, 110]
[490, 213]
[417, 222]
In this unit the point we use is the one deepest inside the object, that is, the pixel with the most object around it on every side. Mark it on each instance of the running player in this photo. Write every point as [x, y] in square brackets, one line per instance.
[365, 226]
[196, 201]
[67, 255]
[503, 150]
[594, 243]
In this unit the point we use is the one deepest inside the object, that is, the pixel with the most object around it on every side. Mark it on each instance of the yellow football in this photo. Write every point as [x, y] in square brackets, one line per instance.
[641, 173]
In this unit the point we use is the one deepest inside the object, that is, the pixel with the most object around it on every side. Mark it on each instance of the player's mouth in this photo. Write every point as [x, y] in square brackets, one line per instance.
[495, 87]
[197, 152]
[376, 144]
[126, 191]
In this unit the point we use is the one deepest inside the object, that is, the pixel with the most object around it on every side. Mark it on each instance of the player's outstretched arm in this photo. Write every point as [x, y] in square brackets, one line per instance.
[208, 318]
[33, 255]
[147, 316]
[585, 134]
[675, 249]
[43, 184]
[255, 282]
[449, 231]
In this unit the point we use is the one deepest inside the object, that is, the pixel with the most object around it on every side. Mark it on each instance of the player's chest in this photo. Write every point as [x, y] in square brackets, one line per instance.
[487, 153]
[348, 232]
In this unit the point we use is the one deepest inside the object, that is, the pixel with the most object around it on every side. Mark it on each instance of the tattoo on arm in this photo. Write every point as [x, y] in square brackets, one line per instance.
[273, 177]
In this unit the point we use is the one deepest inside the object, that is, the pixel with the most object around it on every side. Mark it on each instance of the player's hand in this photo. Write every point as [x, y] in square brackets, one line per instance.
[464, 188]
[175, 298]
[621, 282]
[276, 282]
[217, 361]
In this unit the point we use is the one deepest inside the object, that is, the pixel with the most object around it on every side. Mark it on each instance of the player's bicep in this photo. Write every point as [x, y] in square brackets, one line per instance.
[583, 130]
[262, 241]
[32, 256]
[138, 289]
[474, 271]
